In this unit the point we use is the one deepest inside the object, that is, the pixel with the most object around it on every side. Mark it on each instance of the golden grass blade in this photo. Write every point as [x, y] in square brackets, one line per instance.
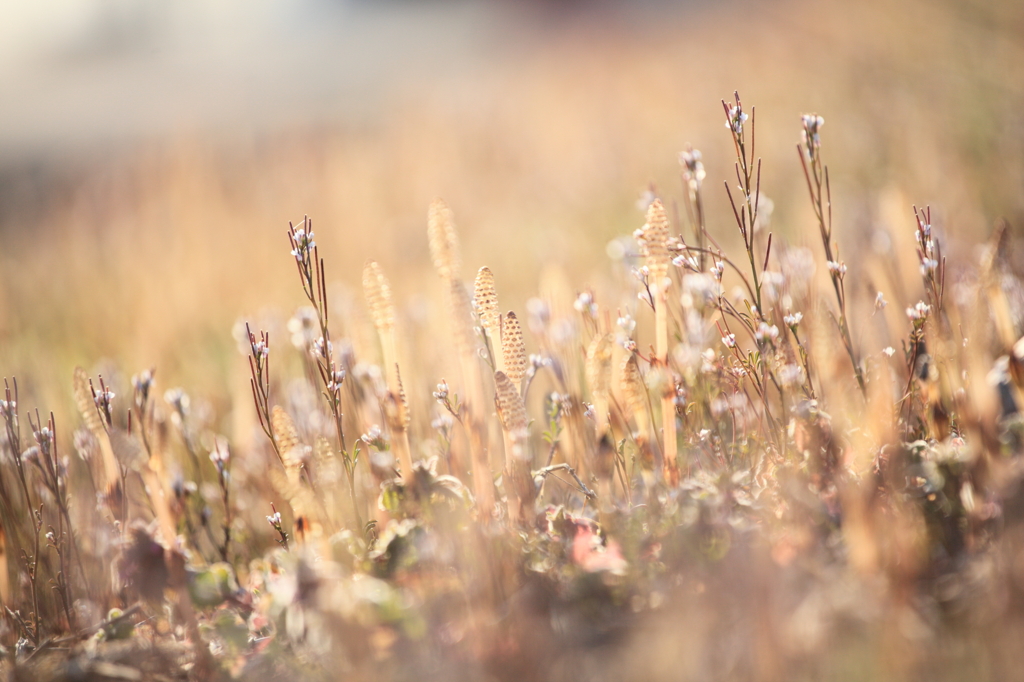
[598, 370]
[85, 403]
[461, 312]
[91, 417]
[5, 587]
[396, 410]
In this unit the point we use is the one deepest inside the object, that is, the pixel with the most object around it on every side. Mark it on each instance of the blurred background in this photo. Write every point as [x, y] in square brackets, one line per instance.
[152, 154]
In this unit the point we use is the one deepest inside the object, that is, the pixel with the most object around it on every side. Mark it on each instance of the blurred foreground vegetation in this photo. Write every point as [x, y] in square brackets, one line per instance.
[674, 431]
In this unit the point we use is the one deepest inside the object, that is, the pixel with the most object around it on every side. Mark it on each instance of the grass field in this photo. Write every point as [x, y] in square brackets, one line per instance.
[672, 429]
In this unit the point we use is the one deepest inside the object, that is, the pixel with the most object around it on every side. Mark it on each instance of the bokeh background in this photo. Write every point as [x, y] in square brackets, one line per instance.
[152, 154]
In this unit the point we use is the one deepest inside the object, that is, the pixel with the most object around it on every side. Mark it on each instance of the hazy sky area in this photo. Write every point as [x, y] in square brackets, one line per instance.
[88, 72]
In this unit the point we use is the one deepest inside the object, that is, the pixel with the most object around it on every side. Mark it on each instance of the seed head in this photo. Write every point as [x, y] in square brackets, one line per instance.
[599, 364]
[513, 349]
[654, 240]
[511, 409]
[378, 297]
[485, 298]
[443, 241]
[633, 389]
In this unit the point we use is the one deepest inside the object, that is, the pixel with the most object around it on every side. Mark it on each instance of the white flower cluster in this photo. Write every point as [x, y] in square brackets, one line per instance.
[178, 399]
[303, 244]
[322, 350]
[441, 394]
[221, 457]
[927, 251]
[837, 268]
[791, 375]
[103, 398]
[793, 319]
[303, 326]
[812, 124]
[585, 304]
[693, 168]
[737, 117]
[337, 379]
[919, 311]
[766, 332]
[373, 436]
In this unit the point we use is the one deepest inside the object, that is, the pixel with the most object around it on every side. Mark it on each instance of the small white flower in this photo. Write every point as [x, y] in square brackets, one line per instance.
[737, 117]
[837, 268]
[729, 340]
[584, 303]
[766, 332]
[337, 379]
[626, 323]
[178, 399]
[372, 436]
[221, 456]
[919, 311]
[880, 301]
[693, 168]
[441, 394]
[322, 351]
[442, 422]
[791, 374]
[143, 380]
[889, 351]
[717, 269]
[274, 520]
[645, 200]
[928, 265]
[8, 408]
[303, 327]
[303, 243]
[794, 319]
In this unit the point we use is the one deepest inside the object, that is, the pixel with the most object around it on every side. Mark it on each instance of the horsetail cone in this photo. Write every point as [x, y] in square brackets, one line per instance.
[634, 392]
[378, 297]
[444, 243]
[513, 350]
[655, 241]
[598, 366]
[598, 369]
[511, 412]
[486, 300]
